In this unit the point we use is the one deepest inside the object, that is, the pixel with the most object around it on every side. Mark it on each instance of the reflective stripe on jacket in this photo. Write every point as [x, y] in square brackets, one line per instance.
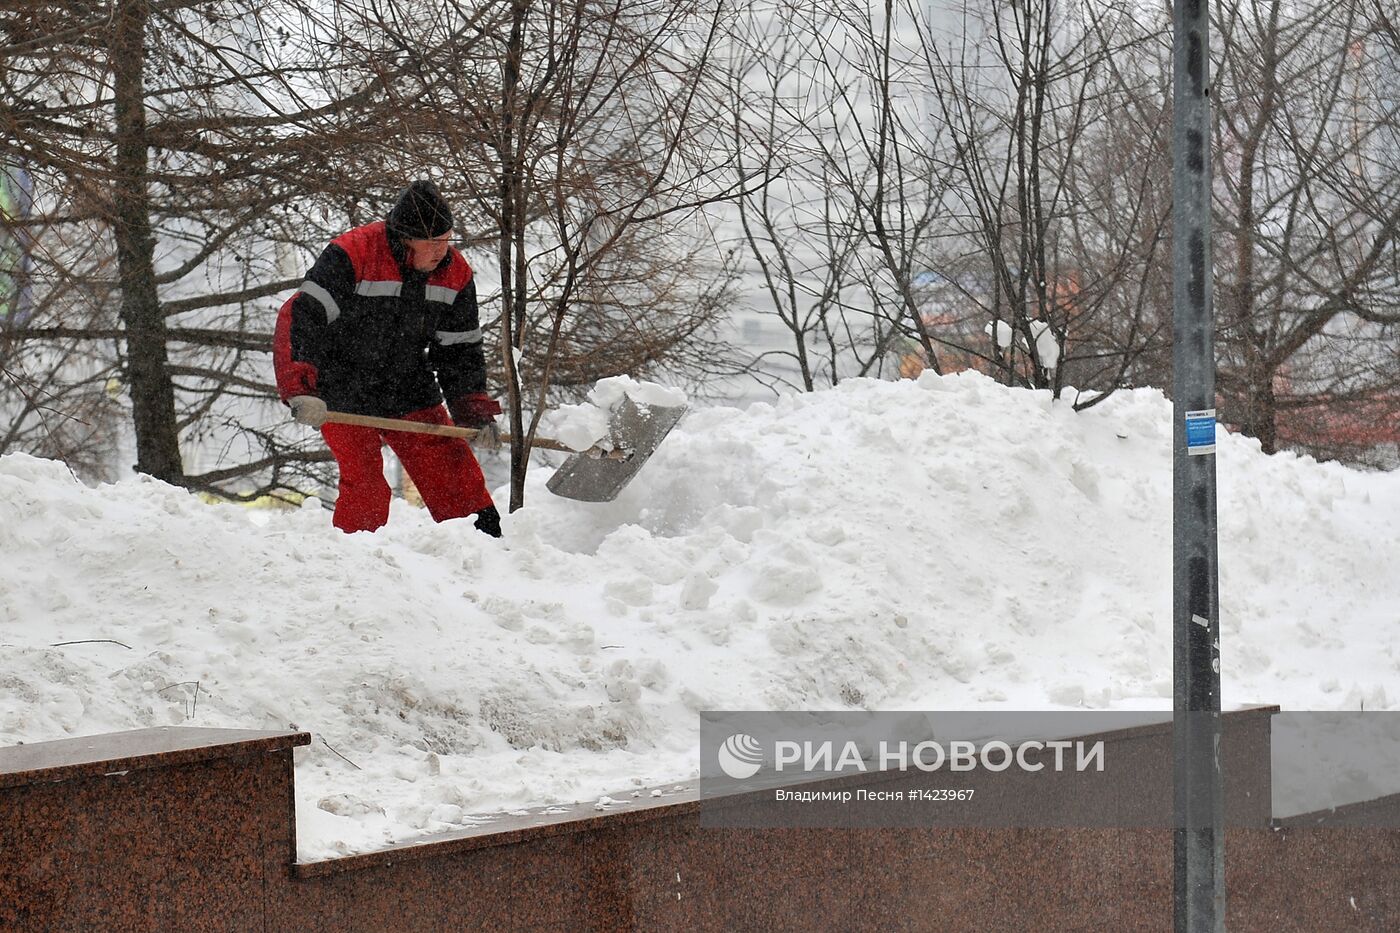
[372, 336]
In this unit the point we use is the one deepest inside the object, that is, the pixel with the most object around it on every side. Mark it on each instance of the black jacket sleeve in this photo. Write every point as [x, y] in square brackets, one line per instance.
[456, 352]
[328, 288]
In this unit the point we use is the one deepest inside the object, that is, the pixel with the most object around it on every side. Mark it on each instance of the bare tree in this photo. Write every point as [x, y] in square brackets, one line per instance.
[1057, 213]
[1309, 205]
[169, 143]
[942, 156]
[800, 229]
[884, 153]
[582, 134]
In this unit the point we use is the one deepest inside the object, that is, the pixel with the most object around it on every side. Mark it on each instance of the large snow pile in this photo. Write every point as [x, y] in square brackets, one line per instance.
[940, 544]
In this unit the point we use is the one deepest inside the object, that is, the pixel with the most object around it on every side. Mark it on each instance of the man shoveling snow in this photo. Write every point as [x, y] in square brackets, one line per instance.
[386, 325]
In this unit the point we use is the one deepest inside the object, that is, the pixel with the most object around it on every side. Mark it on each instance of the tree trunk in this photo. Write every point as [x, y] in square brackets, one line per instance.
[152, 392]
[511, 223]
[1261, 410]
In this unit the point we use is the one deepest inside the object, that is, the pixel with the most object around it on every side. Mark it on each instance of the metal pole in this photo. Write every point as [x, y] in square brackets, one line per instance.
[1198, 838]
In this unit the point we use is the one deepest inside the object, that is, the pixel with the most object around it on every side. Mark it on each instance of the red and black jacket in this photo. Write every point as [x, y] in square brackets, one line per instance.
[372, 336]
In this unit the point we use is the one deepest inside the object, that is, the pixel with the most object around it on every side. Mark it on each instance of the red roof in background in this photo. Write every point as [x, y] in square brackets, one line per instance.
[1359, 423]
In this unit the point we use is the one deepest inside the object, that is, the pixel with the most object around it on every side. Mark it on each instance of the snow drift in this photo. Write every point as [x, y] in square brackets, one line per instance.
[940, 544]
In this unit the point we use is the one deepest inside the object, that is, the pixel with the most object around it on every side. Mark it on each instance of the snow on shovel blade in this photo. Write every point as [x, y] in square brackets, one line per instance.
[634, 429]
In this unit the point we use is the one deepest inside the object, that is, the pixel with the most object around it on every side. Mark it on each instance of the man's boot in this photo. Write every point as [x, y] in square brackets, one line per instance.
[488, 520]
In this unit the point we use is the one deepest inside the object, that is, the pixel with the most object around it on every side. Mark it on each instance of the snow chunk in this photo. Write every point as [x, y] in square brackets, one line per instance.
[1046, 346]
[1001, 333]
[609, 392]
[582, 426]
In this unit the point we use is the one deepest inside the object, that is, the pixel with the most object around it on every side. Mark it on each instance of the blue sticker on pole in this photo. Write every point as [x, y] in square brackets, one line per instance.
[1200, 432]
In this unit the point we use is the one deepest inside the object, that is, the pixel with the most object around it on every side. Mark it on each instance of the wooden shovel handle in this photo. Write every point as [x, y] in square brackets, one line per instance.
[420, 427]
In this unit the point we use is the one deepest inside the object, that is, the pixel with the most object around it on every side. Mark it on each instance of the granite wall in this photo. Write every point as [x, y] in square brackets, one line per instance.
[193, 829]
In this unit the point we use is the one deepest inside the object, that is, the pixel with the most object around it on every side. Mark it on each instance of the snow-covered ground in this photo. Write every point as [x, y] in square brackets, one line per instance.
[940, 544]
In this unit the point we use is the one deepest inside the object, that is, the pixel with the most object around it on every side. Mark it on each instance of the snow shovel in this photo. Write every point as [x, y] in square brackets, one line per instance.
[592, 475]
[634, 429]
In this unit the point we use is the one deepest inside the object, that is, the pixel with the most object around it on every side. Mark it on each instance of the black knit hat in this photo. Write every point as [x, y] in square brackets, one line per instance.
[421, 213]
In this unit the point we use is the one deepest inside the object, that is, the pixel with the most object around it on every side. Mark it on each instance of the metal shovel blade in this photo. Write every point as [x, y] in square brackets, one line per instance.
[635, 429]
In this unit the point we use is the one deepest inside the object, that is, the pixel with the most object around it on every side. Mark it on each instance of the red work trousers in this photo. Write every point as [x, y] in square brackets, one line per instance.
[443, 468]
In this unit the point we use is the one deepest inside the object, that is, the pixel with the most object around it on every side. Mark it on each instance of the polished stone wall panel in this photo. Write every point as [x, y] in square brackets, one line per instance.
[180, 831]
